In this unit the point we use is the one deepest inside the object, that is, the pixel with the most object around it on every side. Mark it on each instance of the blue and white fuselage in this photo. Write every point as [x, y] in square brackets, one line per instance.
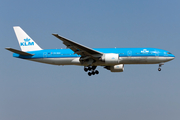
[126, 56]
[112, 59]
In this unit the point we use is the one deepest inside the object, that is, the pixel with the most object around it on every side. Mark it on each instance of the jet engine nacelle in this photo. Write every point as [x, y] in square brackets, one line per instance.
[110, 58]
[115, 68]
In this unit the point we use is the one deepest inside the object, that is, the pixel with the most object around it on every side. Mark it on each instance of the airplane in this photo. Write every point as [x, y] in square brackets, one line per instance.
[112, 59]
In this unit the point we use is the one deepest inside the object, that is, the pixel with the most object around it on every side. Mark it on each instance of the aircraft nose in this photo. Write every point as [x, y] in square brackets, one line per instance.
[171, 57]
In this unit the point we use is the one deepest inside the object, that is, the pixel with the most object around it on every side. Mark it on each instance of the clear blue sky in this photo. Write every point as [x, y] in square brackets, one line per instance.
[36, 91]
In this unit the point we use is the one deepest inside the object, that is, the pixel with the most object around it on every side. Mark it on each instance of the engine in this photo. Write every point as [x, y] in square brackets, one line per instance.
[116, 68]
[110, 58]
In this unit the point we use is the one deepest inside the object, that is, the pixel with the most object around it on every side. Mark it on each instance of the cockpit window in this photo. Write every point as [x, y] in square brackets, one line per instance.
[168, 53]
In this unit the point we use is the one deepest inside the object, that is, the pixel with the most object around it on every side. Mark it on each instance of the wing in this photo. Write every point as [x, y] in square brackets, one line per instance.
[80, 49]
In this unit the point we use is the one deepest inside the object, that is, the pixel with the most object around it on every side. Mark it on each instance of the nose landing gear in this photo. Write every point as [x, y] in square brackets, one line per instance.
[92, 70]
[159, 69]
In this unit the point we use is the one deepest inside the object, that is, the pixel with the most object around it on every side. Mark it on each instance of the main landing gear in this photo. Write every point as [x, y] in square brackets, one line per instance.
[159, 69]
[92, 70]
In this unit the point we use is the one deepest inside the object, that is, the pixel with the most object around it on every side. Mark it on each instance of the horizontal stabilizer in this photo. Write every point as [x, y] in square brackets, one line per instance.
[19, 52]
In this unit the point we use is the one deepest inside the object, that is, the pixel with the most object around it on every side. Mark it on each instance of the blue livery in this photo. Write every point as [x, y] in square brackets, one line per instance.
[112, 59]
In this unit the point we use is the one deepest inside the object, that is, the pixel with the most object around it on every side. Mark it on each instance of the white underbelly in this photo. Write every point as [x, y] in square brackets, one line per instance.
[58, 61]
[142, 60]
[123, 60]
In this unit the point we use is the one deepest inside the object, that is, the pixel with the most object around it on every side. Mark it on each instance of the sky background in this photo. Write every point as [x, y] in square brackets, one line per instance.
[36, 91]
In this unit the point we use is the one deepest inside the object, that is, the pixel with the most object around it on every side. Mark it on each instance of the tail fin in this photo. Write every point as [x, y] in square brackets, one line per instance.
[25, 42]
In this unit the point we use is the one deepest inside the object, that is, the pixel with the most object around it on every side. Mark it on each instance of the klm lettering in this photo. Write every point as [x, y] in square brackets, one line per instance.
[26, 43]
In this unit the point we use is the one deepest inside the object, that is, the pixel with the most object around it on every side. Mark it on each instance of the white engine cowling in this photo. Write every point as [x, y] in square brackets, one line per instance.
[111, 58]
[117, 68]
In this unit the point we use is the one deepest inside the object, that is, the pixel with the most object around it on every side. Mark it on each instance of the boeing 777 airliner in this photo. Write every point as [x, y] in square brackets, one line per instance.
[112, 59]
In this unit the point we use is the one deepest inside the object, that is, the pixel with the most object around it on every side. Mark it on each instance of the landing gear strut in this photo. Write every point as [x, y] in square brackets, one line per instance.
[159, 69]
[92, 70]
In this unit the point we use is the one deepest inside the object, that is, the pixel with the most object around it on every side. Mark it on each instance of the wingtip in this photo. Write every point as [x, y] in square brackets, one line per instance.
[7, 48]
[16, 26]
[54, 34]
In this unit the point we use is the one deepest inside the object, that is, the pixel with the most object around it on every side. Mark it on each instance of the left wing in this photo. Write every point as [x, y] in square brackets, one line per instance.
[79, 49]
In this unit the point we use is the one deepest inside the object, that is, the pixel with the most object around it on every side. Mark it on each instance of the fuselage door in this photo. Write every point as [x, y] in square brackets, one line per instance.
[45, 54]
[157, 54]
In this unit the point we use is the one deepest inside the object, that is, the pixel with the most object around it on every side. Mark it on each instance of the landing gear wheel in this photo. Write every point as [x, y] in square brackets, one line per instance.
[89, 68]
[85, 69]
[94, 67]
[159, 69]
[97, 72]
[89, 73]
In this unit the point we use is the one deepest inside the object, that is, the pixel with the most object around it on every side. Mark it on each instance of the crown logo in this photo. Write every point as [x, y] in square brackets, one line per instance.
[144, 51]
[26, 40]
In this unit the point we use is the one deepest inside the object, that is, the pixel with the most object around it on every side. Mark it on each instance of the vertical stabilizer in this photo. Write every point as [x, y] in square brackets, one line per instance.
[25, 42]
